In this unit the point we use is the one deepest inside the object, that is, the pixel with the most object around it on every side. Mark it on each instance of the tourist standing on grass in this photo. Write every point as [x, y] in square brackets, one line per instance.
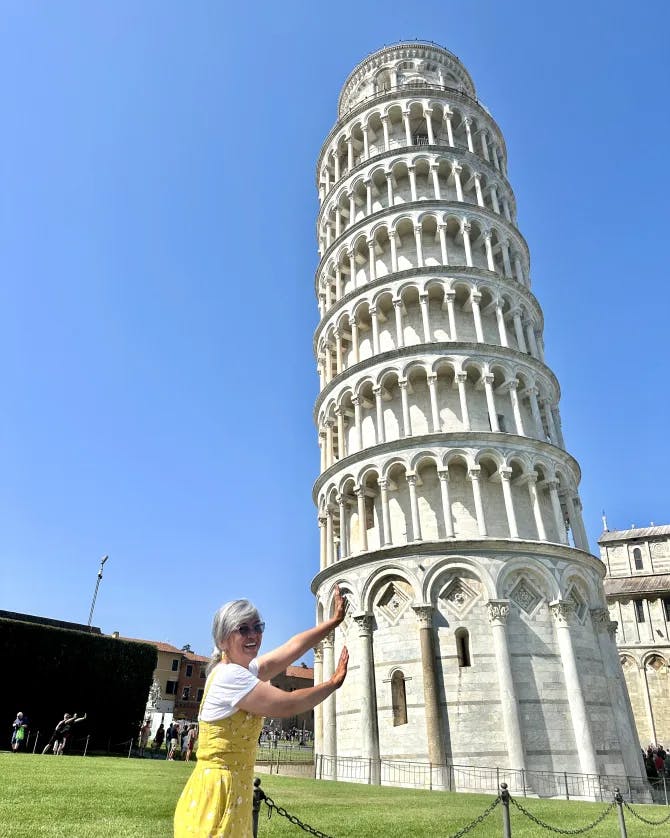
[259, 797]
[19, 732]
[217, 799]
[159, 737]
[58, 739]
[145, 730]
[172, 743]
[190, 742]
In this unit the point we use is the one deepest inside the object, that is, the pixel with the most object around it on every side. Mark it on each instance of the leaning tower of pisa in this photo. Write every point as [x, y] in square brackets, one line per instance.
[447, 502]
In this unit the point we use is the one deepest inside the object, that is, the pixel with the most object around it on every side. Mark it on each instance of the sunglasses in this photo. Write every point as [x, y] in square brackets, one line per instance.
[245, 630]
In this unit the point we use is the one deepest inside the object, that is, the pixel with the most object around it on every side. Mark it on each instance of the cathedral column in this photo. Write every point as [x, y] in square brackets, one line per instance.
[385, 535]
[414, 506]
[530, 334]
[329, 442]
[366, 143]
[379, 407]
[531, 392]
[548, 415]
[473, 474]
[406, 422]
[493, 192]
[368, 698]
[552, 486]
[498, 611]
[507, 268]
[490, 264]
[411, 171]
[446, 503]
[485, 148]
[329, 708]
[338, 352]
[505, 480]
[435, 414]
[461, 378]
[561, 611]
[436, 749]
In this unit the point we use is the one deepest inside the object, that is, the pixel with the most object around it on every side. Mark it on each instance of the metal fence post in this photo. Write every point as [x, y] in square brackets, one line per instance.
[86, 745]
[37, 736]
[504, 799]
[523, 780]
[665, 790]
[619, 807]
[130, 749]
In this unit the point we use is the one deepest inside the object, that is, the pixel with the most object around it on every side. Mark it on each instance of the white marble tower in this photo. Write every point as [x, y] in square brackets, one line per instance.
[447, 502]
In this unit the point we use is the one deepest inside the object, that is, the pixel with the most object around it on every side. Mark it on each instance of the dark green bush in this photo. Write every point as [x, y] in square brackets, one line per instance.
[50, 671]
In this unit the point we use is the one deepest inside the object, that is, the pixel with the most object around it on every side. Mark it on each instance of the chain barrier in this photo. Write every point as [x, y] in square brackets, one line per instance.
[292, 818]
[646, 820]
[476, 821]
[557, 829]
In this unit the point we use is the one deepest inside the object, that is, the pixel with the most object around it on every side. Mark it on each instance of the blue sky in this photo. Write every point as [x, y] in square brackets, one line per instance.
[157, 216]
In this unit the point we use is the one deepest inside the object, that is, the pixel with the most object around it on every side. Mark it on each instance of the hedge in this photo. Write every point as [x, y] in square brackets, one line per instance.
[50, 671]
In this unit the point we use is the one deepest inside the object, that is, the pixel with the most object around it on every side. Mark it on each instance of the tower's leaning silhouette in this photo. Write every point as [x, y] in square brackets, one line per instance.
[447, 502]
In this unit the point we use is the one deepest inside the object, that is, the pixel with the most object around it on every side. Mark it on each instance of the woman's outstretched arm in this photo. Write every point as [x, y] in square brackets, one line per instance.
[276, 661]
[266, 700]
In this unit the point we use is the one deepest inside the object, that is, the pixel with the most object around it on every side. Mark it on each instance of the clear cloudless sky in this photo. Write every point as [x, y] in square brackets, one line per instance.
[157, 257]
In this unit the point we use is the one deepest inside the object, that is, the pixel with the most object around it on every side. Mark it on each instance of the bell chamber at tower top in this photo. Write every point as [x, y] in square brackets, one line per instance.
[408, 66]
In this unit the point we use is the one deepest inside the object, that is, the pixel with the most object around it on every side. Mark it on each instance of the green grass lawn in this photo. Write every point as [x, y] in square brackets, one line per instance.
[96, 797]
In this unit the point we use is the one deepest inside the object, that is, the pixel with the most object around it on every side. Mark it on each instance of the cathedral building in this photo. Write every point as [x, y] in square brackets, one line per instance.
[448, 503]
[637, 586]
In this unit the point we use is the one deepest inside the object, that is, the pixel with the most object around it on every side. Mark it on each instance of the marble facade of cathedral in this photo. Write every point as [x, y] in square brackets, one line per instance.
[637, 586]
[448, 504]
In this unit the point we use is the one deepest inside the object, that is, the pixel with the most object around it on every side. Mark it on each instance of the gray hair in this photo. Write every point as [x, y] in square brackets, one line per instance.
[226, 620]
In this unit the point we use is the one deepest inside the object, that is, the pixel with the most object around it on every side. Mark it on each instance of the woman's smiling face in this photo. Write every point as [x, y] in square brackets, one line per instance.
[243, 644]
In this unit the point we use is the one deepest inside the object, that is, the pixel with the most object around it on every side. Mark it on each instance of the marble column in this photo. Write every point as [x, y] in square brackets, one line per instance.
[368, 698]
[434, 736]
[561, 611]
[498, 611]
[329, 710]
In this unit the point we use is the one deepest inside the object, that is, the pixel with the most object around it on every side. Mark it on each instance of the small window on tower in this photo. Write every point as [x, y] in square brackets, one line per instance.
[666, 608]
[637, 558]
[398, 699]
[463, 647]
[639, 610]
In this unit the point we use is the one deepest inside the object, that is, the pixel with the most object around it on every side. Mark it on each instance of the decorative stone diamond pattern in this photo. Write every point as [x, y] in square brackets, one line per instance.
[392, 602]
[525, 596]
[579, 602]
[459, 596]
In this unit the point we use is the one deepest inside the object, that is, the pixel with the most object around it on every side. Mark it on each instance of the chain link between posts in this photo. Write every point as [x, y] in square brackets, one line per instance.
[557, 829]
[292, 818]
[645, 820]
[477, 821]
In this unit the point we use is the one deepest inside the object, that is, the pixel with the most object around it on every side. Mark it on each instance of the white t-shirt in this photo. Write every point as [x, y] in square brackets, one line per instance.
[228, 683]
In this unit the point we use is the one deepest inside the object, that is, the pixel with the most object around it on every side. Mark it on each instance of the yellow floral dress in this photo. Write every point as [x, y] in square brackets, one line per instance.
[216, 801]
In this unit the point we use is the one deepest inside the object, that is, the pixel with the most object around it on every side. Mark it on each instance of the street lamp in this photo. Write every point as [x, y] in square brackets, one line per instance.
[95, 593]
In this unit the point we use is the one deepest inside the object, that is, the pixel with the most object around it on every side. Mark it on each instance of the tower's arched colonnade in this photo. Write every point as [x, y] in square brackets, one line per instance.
[448, 506]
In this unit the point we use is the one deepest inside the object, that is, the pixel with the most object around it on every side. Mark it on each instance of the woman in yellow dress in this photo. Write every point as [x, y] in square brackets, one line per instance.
[216, 801]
